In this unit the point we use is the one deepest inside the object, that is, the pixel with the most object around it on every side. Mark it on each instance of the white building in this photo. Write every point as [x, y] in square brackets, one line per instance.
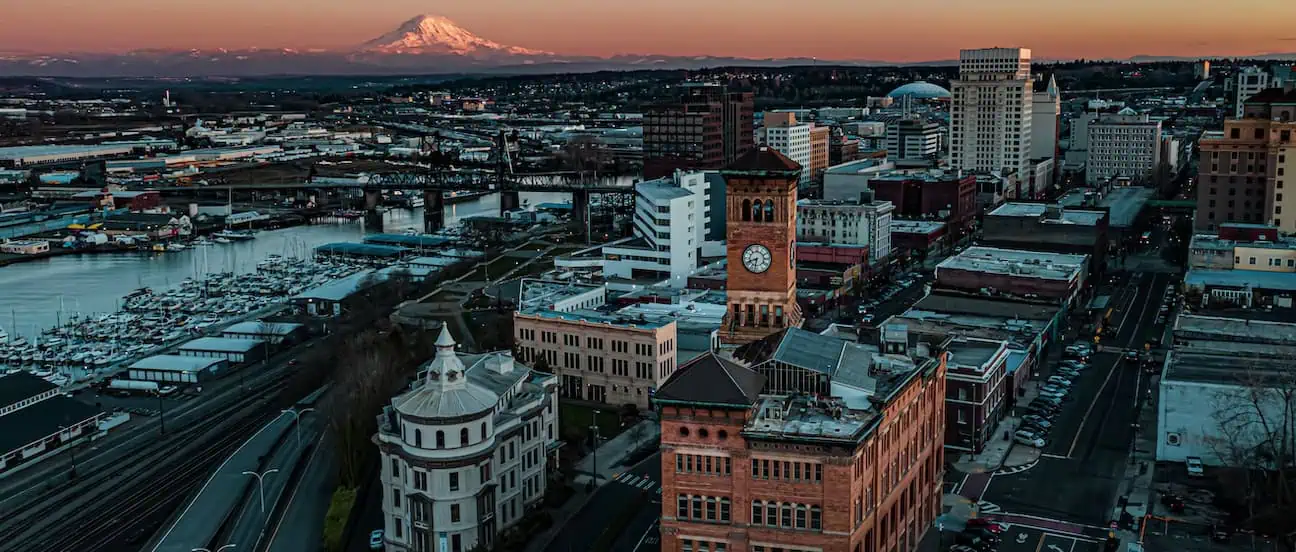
[1046, 113]
[865, 223]
[845, 182]
[790, 138]
[464, 451]
[991, 111]
[913, 138]
[1123, 145]
[1248, 82]
[1221, 389]
[673, 231]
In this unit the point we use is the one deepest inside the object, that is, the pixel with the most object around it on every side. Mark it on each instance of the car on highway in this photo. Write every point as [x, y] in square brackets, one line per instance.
[866, 318]
[376, 539]
[1195, 467]
[1131, 355]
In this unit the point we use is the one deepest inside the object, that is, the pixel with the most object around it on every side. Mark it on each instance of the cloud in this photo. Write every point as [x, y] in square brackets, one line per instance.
[1288, 39]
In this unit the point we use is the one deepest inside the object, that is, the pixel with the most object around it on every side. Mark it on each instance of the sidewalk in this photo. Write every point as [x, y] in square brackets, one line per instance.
[1000, 452]
[611, 456]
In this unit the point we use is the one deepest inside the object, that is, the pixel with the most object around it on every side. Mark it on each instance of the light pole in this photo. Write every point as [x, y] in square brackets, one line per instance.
[161, 412]
[594, 428]
[297, 414]
[260, 477]
[210, 550]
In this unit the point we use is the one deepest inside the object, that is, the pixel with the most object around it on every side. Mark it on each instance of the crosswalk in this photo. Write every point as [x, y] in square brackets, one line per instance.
[640, 482]
[984, 508]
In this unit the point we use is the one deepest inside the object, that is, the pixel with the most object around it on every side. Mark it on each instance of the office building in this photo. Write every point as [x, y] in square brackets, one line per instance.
[841, 148]
[1201, 70]
[1124, 145]
[1049, 227]
[706, 127]
[1247, 83]
[761, 196]
[1031, 276]
[1245, 170]
[992, 110]
[857, 467]
[792, 139]
[914, 138]
[848, 181]
[674, 227]
[1046, 120]
[819, 136]
[930, 195]
[465, 451]
[831, 222]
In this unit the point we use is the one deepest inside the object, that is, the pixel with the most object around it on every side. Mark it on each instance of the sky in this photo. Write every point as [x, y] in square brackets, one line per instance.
[907, 30]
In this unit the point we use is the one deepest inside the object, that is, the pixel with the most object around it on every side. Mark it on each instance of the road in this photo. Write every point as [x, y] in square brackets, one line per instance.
[301, 527]
[606, 508]
[1085, 460]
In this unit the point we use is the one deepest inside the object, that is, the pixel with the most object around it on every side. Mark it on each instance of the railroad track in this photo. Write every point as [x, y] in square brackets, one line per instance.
[100, 508]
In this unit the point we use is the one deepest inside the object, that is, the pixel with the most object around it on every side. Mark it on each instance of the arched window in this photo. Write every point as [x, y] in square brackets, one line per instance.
[769, 211]
[440, 439]
[746, 209]
[418, 438]
[483, 431]
[463, 437]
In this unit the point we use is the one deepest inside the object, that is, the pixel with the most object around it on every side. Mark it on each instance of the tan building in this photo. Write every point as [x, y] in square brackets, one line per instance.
[818, 153]
[1243, 170]
[616, 357]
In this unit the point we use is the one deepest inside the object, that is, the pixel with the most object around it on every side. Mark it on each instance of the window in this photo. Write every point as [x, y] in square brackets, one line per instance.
[757, 513]
[816, 518]
[483, 431]
[463, 437]
[454, 481]
[440, 439]
[454, 513]
[682, 509]
[420, 481]
[418, 438]
[395, 468]
[396, 496]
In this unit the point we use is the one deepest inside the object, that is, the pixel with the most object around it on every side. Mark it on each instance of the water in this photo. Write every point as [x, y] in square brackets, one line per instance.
[30, 292]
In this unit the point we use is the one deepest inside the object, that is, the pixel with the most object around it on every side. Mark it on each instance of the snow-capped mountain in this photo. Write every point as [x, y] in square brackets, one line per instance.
[433, 34]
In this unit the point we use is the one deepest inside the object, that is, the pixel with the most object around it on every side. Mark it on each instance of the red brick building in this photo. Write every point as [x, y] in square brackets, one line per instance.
[746, 472]
[1054, 278]
[707, 127]
[938, 196]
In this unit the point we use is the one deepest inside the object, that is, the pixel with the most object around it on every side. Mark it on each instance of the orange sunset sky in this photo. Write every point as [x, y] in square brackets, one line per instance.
[905, 30]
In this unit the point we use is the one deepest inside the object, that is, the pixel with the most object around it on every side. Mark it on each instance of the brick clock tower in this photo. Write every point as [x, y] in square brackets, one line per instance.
[760, 220]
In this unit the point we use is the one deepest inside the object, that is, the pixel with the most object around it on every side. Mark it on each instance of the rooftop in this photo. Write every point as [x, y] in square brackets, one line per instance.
[406, 240]
[222, 344]
[257, 327]
[901, 175]
[1124, 203]
[902, 226]
[1249, 279]
[1030, 264]
[178, 363]
[1236, 349]
[1040, 210]
[711, 380]
[866, 165]
[764, 159]
[340, 289]
[1216, 243]
[362, 249]
[20, 152]
[804, 417]
[661, 190]
[42, 419]
[20, 386]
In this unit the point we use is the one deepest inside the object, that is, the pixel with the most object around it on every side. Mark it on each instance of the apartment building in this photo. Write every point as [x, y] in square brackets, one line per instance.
[1125, 145]
[1243, 171]
[866, 223]
[819, 136]
[465, 451]
[673, 221]
[991, 111]
[793, 140]
[976, 392]
[857, 471]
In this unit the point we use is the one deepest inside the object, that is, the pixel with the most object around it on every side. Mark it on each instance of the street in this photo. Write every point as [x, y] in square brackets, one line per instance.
[606, 512]
[1085, 458]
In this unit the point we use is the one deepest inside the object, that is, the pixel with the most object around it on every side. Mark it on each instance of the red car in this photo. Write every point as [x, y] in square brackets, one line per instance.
[987, 524]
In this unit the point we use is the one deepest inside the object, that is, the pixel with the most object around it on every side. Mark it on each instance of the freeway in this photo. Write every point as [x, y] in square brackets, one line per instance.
[618, 515]
[1085, 460]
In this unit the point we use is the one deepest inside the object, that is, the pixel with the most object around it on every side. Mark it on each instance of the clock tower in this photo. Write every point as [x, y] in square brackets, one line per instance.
[760, 220]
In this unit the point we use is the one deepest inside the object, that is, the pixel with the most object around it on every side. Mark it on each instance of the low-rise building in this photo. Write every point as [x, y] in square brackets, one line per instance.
[1053, 278]
[857, 469]
[1244, 265]
[975, 393]
[863, 222]
[24, 247]
[930, 195]
[466, 451]
[236, 351]
[918, 239]
[36, 419]
[275, 333]
[166, 369]
[1048, 227]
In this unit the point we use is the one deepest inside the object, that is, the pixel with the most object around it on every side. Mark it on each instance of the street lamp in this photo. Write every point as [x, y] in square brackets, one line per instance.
[260, 477]
[595, 428]
[210, 550]
[297, 414]
[70, 448]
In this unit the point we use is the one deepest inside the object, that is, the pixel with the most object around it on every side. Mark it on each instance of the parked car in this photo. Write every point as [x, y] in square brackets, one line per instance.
[1068, 373]
[1037, 420]
[1059, 381]
[1074, 364]
[1052, 391]
[1173, 502]
[1195, 467]
[987, 524]
[1037, 442]
[1051, 400]
[376, 539]
[975, 541]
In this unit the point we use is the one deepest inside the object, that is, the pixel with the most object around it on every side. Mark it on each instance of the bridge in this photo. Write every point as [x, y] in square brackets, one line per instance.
[434, 183]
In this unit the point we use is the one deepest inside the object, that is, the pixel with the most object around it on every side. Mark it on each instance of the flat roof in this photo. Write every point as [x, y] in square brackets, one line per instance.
[31, 423]
[927, 227]
[222, 345]
[365, 249]
[407, 240]
[1251, 279]
[1031, 264]
[177, 363]
[1124, 203]
[20, 386]
[22, 152]
[661, 190]
[1037, 210]
[433, 261]
[931, 175]
[341, 288]
[1216, 243]
[858, 166]
[254, 327]
[804, 417]
[973, 352]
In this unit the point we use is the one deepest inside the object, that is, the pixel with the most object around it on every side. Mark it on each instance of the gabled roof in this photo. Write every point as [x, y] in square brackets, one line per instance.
[763, 159]
[20, 386]
[796, 347]
[711, 380]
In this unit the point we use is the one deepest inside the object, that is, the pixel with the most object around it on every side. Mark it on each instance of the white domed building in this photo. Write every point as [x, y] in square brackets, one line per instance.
[465, 451]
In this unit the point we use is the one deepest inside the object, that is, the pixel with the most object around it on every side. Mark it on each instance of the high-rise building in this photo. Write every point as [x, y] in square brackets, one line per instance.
[913, 138]
[1243, 172]
[818, 153]
[761, 196]
[792, 139]
[706, 127]
[990, 116]
[822, 445]
[673, 224]
[1246, 83]
[1201, 70]
[1123, 145]
[464, 450]
[1046, 120]
[841, 148]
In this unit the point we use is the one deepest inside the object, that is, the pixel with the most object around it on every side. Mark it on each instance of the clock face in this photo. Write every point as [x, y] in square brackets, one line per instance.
[757, 258]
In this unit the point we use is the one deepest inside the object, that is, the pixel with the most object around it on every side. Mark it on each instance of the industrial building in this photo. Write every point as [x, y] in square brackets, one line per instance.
[275, 333]
[37, 420]
[177, 368]
[236, 351]
[331, 299]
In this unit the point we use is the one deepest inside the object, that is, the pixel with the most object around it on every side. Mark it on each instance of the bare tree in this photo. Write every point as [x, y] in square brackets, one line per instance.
[583, 154]
[1256, 424]
[371, 368]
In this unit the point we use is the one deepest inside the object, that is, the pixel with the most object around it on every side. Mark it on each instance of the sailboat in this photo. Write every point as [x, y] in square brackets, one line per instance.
[229, 233]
